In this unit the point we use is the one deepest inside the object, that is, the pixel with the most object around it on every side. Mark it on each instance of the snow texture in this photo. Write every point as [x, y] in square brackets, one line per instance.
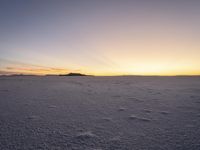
[99, 113]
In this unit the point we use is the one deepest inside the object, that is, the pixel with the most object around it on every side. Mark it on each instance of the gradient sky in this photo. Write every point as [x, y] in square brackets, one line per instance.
[100, 37]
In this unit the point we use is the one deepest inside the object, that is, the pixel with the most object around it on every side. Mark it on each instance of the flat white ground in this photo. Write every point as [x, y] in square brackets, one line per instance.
[100, 113]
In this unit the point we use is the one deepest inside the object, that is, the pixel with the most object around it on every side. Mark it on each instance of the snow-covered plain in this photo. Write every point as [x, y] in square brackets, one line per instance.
[99, 113]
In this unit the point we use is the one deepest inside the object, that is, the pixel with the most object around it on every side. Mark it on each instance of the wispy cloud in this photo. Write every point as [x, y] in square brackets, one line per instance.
[13, 67]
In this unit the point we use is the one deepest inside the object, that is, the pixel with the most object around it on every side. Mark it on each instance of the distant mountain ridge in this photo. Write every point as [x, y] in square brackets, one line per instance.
[73, 74]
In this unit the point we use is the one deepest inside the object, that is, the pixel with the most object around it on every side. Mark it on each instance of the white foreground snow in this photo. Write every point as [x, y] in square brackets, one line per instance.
[99, 113]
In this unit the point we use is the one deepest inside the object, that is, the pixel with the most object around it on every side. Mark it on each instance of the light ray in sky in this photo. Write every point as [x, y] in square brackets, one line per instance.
[100, 37]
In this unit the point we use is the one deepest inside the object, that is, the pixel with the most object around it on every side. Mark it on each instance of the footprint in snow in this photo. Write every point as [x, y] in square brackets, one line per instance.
[135, 99]
[52, 106]
[134, 117]
[33, 117]
[122, 109]
[107, 119]
[85, 135]
[115, 139]
[147, 111]
[164, 112]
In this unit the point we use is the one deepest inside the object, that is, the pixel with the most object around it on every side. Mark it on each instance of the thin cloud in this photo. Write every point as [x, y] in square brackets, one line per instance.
[13, 67]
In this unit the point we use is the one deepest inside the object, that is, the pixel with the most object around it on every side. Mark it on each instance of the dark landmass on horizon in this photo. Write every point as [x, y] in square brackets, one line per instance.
[73, 74]
[80, 74]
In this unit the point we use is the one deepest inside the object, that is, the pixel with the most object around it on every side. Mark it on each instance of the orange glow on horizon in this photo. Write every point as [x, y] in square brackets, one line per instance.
[101, 38]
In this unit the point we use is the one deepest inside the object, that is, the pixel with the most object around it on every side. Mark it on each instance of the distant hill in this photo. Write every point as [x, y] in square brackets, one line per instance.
[73, 74]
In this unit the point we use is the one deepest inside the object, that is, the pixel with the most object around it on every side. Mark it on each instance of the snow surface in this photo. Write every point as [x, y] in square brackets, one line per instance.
[99, 113]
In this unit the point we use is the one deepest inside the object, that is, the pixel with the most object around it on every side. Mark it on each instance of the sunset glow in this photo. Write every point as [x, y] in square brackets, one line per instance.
[100, 37]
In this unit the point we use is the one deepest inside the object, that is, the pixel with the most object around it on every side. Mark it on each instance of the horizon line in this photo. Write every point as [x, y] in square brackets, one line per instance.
[43, 75]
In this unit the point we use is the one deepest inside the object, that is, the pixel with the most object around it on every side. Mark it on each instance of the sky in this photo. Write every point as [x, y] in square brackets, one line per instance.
[100, 37]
